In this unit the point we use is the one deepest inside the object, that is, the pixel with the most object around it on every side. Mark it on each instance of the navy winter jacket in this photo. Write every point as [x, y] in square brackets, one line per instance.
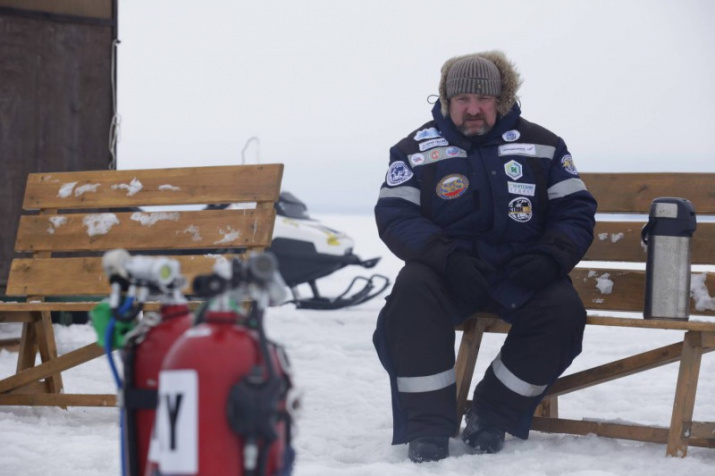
[512, 191]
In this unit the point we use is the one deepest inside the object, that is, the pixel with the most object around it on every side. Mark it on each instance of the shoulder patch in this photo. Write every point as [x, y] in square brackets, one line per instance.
[398, 173]
[430, 133]
[568, 165]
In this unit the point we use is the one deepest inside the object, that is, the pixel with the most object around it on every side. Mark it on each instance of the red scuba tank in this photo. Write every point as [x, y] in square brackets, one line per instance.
[142, 358]
[200, 382]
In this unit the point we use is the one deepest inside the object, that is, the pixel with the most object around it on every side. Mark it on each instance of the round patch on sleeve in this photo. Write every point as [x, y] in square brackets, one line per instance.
[568, 165]
[398, 173]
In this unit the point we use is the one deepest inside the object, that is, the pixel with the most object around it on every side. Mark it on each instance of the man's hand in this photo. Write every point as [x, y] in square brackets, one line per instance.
[533, 271]
[466, 280]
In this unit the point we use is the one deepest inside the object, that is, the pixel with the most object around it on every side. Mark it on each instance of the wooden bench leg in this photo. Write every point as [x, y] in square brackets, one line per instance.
[466, 361]
[680, 424]
[28, 347]
[549, 407]
[48, 349]
[39, 336]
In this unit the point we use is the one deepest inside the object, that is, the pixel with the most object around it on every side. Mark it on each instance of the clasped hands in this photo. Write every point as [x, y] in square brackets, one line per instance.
[466, 275]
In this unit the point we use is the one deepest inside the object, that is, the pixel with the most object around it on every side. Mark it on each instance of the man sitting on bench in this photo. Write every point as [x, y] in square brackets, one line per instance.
[489, 214]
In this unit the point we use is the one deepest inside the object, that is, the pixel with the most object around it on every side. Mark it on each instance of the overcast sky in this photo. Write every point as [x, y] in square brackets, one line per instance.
[329, 86]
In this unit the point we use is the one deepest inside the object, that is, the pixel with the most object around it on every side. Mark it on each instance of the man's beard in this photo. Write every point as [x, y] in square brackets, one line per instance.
[470, 131]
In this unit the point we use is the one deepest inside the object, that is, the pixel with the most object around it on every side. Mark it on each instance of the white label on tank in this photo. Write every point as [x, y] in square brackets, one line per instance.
[666, 210]
[177, 422]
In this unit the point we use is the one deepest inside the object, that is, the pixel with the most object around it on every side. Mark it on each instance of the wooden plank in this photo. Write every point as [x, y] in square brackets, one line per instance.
[18, 312]
[49, 277]
[549, 407]
[28, 346]
[466, 361]
[44, 370]
[704, 430]
[495, 325]
[133, 188]
[621, 241]
[11, 345]
[610, 430]
[684, 402]
[9, 313]
[615, 370]
[147, 230]
[59, 399]
[651, 323]
[634, 192]
[47, 347]
[627, 294]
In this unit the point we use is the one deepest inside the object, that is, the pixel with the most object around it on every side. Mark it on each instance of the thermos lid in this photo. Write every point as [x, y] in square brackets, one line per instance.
[670, 216]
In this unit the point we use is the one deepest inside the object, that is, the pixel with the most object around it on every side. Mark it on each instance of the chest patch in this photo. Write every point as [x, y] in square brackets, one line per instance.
[511, 136]
[520, 209]
[452, 186]
[398, 173]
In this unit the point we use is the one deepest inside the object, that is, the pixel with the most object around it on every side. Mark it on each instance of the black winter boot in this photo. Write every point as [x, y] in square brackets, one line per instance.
[481, 436]
[428, 448]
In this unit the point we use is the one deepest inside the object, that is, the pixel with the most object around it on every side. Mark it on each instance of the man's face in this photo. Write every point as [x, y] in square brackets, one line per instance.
[473, 114]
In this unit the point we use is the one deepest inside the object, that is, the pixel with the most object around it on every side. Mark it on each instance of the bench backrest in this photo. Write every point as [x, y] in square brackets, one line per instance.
[618, 240]
[81, 214]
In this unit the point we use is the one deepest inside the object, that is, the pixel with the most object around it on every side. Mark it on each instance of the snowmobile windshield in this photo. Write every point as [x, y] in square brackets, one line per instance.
[290, 206]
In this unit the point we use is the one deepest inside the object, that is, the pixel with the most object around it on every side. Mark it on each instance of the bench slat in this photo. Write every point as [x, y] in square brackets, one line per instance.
[168, 230]
[121, 188]
[628, 293]
[621, 241]
[82, 276]
[633, 192]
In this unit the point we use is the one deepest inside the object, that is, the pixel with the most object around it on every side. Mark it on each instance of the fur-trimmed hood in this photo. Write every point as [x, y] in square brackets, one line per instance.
[511, 80]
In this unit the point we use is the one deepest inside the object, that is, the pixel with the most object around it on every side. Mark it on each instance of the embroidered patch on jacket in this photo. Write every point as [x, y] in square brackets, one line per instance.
[516, 188]
[431, 144]
[452, 186]
[430, 133]
[568, 165]
[518, 149]
[435, 155]
[520, 209]
[416, 159]
[513, 169]
[398, 173]
[511, 136]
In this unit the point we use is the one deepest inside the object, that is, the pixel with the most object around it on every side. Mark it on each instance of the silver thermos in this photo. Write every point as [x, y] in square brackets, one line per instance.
[668, 235]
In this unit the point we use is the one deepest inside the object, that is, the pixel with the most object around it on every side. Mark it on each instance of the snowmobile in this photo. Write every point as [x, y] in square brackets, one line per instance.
[308, 250]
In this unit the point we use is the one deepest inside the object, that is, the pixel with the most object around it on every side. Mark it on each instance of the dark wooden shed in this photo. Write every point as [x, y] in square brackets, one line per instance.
[56, 96]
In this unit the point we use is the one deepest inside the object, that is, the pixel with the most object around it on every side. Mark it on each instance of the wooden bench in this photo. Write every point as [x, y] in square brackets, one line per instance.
[618, 242]
[78, 215]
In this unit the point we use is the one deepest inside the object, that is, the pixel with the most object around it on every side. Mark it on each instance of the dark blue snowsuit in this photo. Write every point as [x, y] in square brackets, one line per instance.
[512, 191]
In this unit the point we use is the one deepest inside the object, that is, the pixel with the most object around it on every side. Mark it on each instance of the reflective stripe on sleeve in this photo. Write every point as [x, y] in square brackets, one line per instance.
[428, 383]
[411, 194]
[565, 188]
[514, 383]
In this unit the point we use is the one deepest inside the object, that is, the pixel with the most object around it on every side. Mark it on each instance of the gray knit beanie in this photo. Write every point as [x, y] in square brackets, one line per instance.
[473, 75]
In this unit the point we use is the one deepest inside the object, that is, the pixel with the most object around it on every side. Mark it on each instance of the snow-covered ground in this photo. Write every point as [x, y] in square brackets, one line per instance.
[345, 425]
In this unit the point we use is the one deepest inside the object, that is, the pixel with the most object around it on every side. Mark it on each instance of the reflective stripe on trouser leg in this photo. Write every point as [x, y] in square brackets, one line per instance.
[544, 339]
[514, 383]
[415, 341]
[428, 383]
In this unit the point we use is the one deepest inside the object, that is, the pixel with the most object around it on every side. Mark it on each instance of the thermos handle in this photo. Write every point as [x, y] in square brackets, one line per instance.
[647, 228]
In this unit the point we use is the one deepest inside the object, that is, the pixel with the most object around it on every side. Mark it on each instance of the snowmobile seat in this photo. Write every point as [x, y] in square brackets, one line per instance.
[611, 283]
[71, 218]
